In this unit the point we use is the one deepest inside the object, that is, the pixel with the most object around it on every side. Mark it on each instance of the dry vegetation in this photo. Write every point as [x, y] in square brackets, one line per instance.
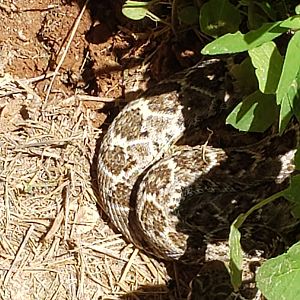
[54, 241]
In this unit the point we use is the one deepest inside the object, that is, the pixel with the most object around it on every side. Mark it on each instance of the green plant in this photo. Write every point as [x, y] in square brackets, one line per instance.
[137, 10]
[278, 277]
[278, 98]
[272, 41]
[277, 76]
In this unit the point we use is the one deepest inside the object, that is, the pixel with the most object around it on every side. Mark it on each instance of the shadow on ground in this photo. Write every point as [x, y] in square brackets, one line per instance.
[215, 199]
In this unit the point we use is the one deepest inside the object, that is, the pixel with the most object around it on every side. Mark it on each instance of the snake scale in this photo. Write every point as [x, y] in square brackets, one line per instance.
[169, 197]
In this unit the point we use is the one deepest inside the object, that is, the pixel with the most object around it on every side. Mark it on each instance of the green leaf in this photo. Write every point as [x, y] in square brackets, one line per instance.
[268, 63]
[267, 9]
[135, 10]
[235, 248]
[279, 277]
[244, 75]
[255, 113]
[293, 96]
[218, 17]
[290, 104]
[256, 17]
[238, 42]
[297, 160]
[285, 114]
[292, 22]
[235, 253]
[292, 193]
[290, 68]
[188, 15]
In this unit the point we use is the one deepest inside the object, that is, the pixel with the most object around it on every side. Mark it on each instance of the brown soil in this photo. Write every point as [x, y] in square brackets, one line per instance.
[61, 76]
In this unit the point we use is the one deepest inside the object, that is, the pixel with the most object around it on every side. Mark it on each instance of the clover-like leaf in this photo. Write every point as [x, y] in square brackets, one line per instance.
[250, 114]
[279, 277]
[292, 22]
[268, 63]
[218, 17]
[135, 10]
[188, 14]
[238, 42]
[291, 67]
[235, 253]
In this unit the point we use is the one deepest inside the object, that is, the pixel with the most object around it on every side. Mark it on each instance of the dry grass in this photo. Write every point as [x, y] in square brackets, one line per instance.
[54, 243]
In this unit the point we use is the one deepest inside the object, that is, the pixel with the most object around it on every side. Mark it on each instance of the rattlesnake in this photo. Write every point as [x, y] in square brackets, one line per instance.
[169, 198]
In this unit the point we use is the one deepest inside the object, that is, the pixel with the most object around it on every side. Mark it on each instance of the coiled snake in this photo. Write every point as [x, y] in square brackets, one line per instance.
[170, 199]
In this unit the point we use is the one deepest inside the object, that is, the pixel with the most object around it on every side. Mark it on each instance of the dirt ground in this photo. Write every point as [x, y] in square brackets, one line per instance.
[65, 70]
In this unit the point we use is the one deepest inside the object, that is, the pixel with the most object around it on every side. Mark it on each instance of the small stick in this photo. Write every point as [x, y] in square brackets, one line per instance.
[72, 34]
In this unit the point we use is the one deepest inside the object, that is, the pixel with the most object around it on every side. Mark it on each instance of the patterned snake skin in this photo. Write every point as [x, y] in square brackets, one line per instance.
[169, 196]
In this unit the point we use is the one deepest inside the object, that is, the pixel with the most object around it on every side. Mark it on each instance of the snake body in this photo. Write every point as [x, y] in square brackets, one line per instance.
[169, 199]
